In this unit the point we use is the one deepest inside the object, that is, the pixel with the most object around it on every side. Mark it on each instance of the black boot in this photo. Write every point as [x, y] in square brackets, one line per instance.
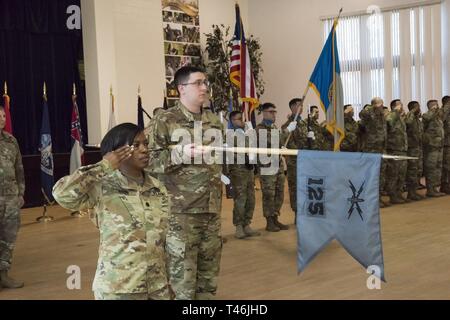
[279, 224]
[271, 226]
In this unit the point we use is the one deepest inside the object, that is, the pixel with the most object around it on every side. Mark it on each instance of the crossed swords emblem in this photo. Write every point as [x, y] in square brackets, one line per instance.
[355, 200]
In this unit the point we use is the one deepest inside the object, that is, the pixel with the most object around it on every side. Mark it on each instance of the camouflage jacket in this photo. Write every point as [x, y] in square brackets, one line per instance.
[321, 135]
[375, 130]
[132, 221]
[397, 139]
[433, 129]
[240, 162]
[298, 138]
[12, 178]
[350, 142]
[267, 136]
[414, 131]
[446, 117]
[194, 188]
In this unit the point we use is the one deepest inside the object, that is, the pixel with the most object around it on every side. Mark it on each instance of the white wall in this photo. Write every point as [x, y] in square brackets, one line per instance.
[445, 36]
[123, 46]
[291, 36]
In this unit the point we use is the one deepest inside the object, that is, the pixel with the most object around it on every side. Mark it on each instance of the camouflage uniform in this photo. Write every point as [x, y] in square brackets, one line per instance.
[272, 186]
[397, 144]
[194, 242]
[155, 167]
[243, 181]
[350, 143]
[132, 220]
[433, 141]
[445, 180]
[298, 141]
[414, 130]
[375, 135]
[322, 138]
[12, 186]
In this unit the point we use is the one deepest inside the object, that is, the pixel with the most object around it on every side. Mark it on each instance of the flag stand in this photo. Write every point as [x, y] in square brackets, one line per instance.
[45, 217]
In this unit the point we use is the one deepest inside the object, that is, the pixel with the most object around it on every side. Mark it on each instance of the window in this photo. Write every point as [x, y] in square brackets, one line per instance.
[392, 55]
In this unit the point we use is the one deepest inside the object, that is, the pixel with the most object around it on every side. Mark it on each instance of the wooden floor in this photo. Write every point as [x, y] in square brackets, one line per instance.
[416, 244]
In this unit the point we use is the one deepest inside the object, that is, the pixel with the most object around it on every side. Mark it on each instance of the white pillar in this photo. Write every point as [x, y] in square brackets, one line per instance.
[100, 63]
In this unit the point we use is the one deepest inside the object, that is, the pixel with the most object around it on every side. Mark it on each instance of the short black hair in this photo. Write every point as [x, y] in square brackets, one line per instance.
[182, 74]
[445, 100]
[294, 101]
[429, 102]
[120, 135]
[234, 113]
[267, 105]
[313, 107]
[412, 104]
[394, 103]
[366, 106]
[347, 106]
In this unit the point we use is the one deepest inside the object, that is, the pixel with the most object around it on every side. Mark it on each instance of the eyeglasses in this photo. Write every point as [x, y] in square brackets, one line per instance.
[198, 83]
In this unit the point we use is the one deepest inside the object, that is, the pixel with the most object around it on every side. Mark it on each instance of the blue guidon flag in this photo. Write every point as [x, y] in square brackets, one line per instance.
[46, 154]
[338, 198]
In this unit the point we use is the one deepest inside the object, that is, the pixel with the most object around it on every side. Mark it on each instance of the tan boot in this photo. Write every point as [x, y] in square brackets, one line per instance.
[7, 282]
[279, 224]
[240, 234]
[271, 226]
[432, 193]
[395, 200]
[249, 232]
[413, 195]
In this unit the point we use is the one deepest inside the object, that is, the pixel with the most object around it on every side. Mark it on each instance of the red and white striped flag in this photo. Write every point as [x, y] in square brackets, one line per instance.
[77, 152]
[241, 74]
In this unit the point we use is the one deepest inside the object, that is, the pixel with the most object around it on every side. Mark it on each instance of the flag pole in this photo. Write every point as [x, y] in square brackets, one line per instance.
[298, 111]
[334, 82]
[5, 89]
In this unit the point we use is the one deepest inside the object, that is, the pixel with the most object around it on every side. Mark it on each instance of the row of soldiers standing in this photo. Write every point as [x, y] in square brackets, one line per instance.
[396, 132]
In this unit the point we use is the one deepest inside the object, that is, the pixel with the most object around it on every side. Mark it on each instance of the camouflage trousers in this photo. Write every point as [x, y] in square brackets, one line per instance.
[414, 170]
[243, 181]
[432, 166]
[396, 171]
[445, 179]
[292, 183]
[272, 187]
[9, 227]
[194, 247]
[162, 294]
[382, 168]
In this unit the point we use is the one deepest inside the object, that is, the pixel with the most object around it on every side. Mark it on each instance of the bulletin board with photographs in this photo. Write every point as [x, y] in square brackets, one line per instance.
[181, 29]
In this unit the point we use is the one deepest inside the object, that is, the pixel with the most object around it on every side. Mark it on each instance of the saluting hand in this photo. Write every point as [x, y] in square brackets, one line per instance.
[116, 157]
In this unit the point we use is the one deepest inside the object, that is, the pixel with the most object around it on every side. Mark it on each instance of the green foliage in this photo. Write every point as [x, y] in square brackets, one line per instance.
[217, 63]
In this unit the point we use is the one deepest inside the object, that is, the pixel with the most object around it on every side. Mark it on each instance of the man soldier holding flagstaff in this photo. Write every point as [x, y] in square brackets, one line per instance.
[319, 134]
[272, 185]
[298, 141]
[243, 181]
[194, 242]
[12, 190]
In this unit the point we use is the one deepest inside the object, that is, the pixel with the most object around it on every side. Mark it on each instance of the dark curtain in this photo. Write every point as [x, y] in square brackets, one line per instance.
[37, 46]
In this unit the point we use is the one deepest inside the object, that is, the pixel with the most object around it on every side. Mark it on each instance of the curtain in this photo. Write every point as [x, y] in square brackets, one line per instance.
[37, 46]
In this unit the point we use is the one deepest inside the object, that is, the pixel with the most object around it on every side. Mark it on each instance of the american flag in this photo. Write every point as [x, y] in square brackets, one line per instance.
[241, 74]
